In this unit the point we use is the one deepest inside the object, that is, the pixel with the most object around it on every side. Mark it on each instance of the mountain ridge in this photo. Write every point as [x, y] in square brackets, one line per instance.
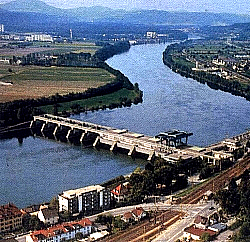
[104, 14]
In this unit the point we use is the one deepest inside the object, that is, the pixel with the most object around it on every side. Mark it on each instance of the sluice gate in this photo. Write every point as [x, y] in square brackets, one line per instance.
[80, 132]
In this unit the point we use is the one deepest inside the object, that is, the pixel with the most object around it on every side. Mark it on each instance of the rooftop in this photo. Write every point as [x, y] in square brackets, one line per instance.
[59, 229]
[9, 210]
[197, 231]
[79, 191]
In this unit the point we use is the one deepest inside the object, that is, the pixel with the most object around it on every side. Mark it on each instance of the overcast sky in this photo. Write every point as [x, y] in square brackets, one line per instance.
[228, 6]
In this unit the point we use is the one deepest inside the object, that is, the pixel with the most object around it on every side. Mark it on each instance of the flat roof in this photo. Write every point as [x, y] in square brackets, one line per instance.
[79, 191]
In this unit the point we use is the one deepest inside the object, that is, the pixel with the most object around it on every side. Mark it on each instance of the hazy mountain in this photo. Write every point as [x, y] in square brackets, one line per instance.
[34, 6]
[103, 14]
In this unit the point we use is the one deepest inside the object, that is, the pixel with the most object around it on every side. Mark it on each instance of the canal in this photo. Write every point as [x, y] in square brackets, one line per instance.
[37, 169]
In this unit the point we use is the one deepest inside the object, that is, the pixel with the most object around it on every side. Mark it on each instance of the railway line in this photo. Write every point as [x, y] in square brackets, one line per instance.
[218, 182]
[149, 229]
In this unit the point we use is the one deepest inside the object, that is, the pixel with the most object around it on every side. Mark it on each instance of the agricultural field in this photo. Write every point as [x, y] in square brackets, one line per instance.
[55, 48]
[22, 82]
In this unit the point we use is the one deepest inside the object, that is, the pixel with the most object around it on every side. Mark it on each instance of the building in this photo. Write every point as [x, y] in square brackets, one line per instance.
[136, 214]
[61, 232]
[201, 222]
[10, 218]
[120, 192]
[48, 216]
[151, 35]
[195, 233]
[1, 28]
[87, 200]
[39, 37]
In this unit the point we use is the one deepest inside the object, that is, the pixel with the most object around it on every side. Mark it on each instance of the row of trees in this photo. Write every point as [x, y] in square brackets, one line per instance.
[158, 178]
[214, 81]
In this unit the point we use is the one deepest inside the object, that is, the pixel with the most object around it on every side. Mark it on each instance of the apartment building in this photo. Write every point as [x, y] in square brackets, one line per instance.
[61, 232]
[10, 218]
[87, 200]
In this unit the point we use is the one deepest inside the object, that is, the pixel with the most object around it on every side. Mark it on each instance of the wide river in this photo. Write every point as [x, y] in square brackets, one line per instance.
[38, 169]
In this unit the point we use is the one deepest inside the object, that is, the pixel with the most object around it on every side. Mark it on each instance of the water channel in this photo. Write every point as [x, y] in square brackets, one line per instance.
[38, 169]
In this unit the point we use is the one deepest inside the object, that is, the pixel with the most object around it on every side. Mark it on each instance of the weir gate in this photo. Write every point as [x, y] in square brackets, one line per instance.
[86, 133]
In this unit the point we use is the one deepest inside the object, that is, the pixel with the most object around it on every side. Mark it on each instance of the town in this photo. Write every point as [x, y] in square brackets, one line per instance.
[84, 213]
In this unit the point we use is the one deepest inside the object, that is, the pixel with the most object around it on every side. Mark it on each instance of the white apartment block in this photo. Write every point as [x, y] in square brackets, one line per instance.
[39, 37]
[87, 200]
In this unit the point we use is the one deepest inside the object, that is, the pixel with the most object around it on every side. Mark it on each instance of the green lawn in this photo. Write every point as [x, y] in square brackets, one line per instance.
[94, 102]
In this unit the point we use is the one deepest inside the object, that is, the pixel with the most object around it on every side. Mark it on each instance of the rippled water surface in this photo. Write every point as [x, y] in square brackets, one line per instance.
[39, 169]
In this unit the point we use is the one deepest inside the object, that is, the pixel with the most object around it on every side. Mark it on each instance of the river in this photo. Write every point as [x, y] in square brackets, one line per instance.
[38, 169]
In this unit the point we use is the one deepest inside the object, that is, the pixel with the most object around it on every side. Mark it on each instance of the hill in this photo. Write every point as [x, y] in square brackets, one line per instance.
[108, 15]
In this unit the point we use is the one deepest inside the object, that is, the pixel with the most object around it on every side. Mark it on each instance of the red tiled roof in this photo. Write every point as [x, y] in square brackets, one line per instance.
[197, 231]
[200, 219]
[120, 190]
[138, 211]
[127, 215]
[117, 190]
[9, 210]
[59, 229]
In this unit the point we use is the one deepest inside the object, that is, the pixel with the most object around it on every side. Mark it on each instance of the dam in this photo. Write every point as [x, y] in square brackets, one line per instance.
[81, 132]
[171, 146]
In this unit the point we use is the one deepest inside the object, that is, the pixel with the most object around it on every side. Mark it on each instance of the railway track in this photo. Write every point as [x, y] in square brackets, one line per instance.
[147, 229]
[218, 182]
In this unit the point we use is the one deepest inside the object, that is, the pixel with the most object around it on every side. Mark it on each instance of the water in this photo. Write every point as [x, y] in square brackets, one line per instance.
[38, 169]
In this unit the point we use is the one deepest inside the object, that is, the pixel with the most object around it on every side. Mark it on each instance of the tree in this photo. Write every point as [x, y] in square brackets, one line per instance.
[205, 237]
[164, 176]
[229, 199]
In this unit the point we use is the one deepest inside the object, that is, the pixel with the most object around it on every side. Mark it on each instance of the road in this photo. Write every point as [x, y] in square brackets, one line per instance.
[176, 230]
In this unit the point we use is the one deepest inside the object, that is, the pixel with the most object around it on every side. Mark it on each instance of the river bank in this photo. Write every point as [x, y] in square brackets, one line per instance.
[100, 87]
[196, 61]
[170, 101]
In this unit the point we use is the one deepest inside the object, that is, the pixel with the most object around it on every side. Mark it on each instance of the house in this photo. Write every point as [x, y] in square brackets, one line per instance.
[128, 217]
[207, 195]
[135, 215]
[139, 213]
[195, 233]
[48, 216]
[218, 227]
[87, 200]
[10, 218]
[120, 192]
[201, 222]
[61, 232]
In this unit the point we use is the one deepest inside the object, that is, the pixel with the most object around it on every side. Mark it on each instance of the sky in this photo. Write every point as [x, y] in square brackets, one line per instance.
[217, 6]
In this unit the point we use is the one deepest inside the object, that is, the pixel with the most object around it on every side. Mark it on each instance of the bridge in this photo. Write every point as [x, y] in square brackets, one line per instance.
[88, 133]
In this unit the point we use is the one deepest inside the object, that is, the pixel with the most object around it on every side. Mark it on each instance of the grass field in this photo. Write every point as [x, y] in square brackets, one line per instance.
[94, 102]
[37, 81]
[56, 48]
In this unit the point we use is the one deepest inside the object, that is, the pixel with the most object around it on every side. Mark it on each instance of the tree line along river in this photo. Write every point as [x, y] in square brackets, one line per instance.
[38, 169]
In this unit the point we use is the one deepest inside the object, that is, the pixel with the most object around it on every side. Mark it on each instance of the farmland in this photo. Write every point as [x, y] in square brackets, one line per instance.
[37, 81]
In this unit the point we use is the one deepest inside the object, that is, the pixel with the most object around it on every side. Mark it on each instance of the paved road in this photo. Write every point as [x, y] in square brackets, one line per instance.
[176, 230]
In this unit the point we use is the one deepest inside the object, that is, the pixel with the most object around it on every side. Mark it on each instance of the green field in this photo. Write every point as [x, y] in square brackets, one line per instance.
[35, 73]
[94, 102]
